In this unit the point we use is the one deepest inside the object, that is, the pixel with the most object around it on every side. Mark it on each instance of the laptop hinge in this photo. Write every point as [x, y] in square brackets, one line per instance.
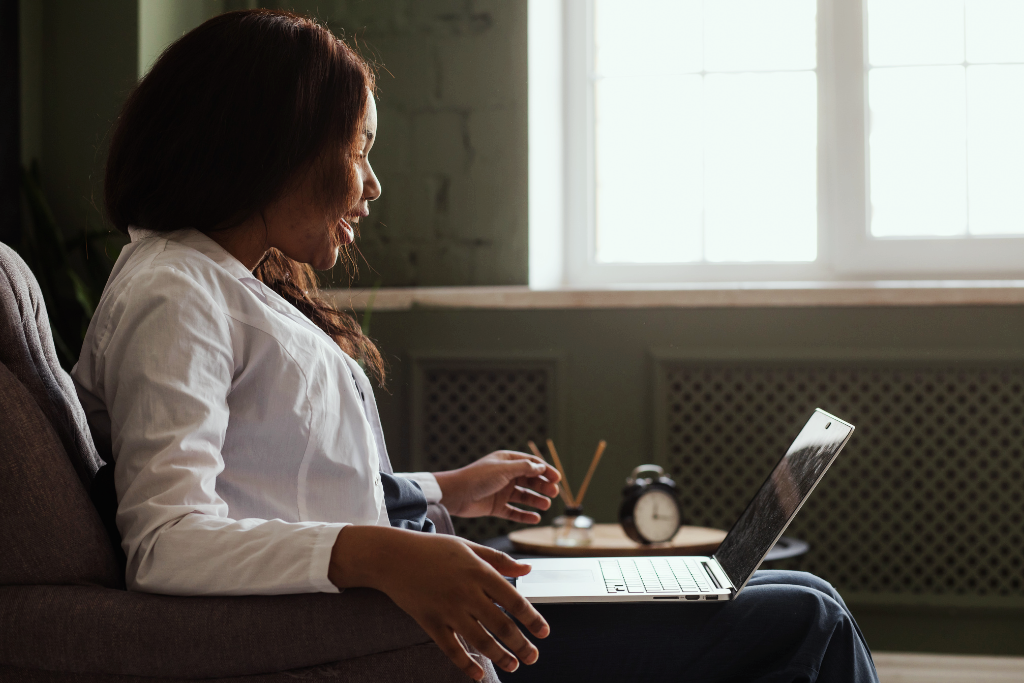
[716, 569]
[711, 575]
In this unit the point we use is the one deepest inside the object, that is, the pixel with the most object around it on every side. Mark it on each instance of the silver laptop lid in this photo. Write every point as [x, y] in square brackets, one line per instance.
[782, 495]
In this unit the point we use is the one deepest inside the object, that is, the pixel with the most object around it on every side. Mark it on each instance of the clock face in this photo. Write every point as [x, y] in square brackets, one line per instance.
[656, 516]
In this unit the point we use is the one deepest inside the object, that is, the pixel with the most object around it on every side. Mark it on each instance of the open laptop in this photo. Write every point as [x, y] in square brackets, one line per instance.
[720, 577]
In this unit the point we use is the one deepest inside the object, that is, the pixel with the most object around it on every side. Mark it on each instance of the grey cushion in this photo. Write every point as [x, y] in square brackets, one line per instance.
[49, 531]
[415, 664]
[26, 348]
[117, 633]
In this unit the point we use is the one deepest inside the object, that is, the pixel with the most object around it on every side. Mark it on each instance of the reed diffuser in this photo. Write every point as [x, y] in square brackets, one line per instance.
[572, 528]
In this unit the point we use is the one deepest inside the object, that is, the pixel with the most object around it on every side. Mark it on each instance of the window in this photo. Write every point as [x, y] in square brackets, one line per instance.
[946, 96]
[744, 140]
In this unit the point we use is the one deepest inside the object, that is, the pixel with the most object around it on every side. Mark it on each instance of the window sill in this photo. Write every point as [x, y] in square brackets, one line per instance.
[695, 295]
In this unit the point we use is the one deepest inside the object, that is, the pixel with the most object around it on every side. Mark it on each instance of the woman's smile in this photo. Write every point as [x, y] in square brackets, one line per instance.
[347, 234]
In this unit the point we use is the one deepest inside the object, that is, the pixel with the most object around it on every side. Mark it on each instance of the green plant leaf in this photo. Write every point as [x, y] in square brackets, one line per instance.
[83, 294]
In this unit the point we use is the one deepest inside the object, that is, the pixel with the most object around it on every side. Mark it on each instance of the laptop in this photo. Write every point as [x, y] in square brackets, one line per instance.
[690, 578]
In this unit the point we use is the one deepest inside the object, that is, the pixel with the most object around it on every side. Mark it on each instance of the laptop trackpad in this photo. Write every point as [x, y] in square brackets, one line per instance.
[558, 576]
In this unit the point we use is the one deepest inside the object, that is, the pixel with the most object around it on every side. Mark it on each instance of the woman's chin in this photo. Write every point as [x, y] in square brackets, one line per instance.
[326, 261]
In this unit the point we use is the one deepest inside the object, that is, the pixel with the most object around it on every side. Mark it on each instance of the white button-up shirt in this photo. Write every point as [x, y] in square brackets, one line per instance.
[244, 437]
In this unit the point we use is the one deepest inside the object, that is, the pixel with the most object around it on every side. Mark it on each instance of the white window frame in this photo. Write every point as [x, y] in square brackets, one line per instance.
[562, 206]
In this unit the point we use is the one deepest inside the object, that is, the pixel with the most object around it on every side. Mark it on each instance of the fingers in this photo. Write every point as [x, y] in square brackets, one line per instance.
[519, 607]
[485, 643]
[525, 496]
[549, 472]
[452, 648]
[538, 484]
[516, 515]
[502, 562]
[503, 628]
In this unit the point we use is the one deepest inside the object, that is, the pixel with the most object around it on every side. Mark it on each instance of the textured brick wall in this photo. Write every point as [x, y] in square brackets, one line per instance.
[452, 148]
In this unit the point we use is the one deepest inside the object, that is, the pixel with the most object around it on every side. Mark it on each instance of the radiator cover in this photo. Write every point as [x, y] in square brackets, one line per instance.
[927, 498]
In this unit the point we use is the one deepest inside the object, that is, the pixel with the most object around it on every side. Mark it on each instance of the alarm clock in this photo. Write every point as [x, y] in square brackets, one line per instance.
[650, 511]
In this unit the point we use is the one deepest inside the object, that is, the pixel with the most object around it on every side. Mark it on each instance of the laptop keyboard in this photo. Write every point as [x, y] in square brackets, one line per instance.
[655, 575]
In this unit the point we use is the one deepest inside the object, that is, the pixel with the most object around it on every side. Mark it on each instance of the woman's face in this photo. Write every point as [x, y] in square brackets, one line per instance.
[296, 224]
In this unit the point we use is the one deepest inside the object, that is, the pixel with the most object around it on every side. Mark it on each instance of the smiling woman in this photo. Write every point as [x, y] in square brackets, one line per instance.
[247, 453]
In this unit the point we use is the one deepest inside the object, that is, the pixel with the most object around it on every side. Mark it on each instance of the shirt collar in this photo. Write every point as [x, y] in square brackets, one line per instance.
[202, 243]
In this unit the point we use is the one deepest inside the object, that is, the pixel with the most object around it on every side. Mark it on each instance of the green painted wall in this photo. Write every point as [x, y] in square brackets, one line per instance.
[79, 61]
[451, 148]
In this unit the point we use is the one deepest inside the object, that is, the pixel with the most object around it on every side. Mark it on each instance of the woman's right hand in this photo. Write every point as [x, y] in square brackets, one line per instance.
[448, 585]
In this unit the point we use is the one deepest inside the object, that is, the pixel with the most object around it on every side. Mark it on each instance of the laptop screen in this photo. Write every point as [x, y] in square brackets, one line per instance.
[782, 495]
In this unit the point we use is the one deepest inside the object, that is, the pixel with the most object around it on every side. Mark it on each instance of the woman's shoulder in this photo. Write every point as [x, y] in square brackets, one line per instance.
[163, 273]
[184, 258]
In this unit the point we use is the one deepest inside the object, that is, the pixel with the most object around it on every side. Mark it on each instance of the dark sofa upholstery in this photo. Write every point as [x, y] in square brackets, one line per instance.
[64, 613]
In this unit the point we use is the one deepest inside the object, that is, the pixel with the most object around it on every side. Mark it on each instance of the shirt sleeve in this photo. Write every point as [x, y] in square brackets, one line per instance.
[167, 373]
[427, 482]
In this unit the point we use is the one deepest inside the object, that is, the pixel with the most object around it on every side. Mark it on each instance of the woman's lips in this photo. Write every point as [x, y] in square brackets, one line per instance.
[348, 235]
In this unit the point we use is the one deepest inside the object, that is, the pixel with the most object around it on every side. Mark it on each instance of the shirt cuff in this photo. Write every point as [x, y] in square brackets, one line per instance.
[427, 482]
[320, 562]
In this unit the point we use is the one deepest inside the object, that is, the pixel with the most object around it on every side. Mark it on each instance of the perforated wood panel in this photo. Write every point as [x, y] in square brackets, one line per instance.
[928, 496]
[465, 410]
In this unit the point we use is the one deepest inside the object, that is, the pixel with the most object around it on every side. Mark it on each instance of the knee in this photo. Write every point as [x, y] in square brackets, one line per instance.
[818, 606]
[792, 612]
[817, 583]
[805, 579]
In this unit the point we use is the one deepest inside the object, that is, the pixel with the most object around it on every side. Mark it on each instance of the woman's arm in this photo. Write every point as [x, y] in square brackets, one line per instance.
[449, 586]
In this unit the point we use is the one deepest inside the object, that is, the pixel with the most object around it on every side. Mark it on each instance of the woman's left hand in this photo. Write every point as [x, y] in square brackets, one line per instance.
[489, 486]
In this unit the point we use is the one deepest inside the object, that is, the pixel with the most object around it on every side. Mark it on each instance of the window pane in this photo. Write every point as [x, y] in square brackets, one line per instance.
[759, 35]
[996, 149]
[630, 42]
[649, 179]
[918, 151]
[915, 32]
[994, 31]
[760, 165]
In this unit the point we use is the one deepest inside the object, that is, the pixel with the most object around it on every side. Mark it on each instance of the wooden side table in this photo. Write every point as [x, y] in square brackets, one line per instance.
[611, 541]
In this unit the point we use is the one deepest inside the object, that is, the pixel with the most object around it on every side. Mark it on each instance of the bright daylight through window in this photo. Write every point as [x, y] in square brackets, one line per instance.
[946, 93]
[727, 143]
[771, 140]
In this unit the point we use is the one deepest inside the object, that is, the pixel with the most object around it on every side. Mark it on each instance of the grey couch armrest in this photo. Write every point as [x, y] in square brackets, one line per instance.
[103, 631]
[438, 514]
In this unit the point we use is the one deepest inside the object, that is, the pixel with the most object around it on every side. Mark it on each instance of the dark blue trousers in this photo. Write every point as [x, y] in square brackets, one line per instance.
[784, 627]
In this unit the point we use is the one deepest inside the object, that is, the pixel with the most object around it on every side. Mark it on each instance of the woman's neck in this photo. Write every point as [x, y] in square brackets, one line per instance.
[245, 241]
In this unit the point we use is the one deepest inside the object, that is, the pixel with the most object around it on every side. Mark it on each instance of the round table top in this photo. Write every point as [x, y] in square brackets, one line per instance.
[609, 540]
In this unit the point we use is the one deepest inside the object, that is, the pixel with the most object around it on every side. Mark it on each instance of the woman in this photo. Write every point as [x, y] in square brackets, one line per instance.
[249, 455]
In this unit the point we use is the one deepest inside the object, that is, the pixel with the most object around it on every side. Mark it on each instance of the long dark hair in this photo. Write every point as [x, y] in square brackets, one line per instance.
[228, 118]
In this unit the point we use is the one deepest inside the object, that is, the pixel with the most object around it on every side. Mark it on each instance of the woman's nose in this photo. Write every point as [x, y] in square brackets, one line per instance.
[371, 187]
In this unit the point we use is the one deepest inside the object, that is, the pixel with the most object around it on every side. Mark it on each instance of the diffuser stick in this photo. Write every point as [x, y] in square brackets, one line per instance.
[590, 472]
[561, 470]
[561, 489]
